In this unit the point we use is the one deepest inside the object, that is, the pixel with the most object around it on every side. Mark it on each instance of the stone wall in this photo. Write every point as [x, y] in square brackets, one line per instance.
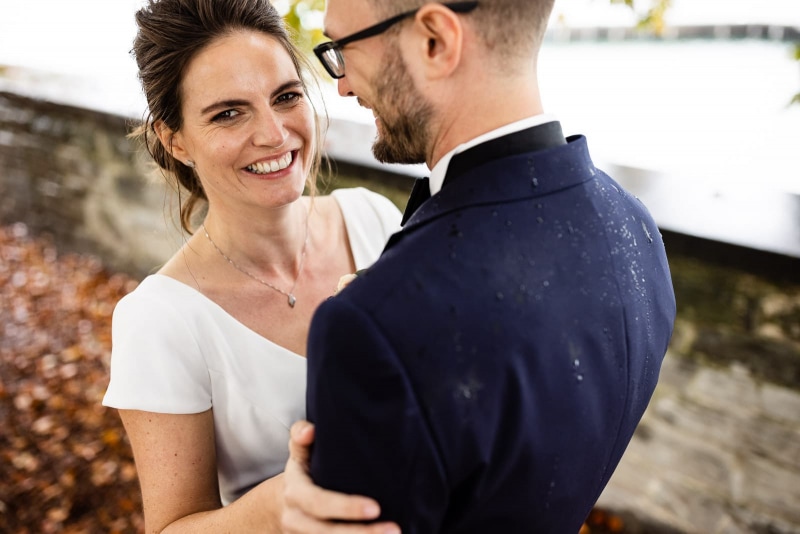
[73, 173]
[719, 448]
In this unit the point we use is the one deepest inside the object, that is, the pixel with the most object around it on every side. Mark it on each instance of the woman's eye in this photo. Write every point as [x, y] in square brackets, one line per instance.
[226, 115]
[287, 98]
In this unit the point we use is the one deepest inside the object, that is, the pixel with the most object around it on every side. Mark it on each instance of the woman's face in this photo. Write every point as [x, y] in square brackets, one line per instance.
[247, 124]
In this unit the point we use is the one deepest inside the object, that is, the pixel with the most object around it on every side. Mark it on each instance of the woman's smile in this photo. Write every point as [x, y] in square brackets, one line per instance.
[273, 165]
[249, 126]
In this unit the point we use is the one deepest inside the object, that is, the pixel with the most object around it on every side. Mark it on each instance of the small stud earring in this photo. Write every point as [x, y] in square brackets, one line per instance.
[190, 163]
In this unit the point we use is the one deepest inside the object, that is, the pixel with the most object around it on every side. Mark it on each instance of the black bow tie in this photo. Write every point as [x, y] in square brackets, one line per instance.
[420, 193]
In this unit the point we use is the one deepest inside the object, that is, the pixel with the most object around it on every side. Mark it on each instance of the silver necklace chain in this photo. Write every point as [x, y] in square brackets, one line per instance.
[290, 295]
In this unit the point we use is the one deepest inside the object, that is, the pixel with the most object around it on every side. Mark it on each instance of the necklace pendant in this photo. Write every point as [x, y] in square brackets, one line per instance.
[292, 300]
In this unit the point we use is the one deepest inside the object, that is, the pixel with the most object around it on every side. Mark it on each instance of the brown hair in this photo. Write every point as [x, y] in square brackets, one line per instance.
[170, 34]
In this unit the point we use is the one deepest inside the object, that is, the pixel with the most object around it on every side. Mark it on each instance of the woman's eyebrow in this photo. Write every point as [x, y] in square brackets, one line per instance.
[291, 84]
[224, 104]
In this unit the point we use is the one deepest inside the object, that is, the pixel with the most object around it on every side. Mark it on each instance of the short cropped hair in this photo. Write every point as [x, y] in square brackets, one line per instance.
[510, 29]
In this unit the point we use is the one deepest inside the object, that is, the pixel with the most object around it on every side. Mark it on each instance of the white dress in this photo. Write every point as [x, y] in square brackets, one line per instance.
[175, 351]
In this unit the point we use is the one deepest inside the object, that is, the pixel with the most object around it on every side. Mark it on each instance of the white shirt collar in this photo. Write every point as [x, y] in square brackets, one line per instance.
[440, 169]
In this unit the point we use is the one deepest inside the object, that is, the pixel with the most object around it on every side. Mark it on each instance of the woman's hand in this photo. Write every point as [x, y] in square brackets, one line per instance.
[310, 509]
[344, 281]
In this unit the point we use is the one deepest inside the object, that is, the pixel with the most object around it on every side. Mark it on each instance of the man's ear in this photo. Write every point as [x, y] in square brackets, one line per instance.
[439, 38]
[171, 141]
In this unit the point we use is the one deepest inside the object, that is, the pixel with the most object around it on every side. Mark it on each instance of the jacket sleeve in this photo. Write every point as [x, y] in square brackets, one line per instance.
[372, 437]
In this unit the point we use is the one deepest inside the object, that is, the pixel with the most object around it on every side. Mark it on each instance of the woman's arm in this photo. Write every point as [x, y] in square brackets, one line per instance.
[176, 462]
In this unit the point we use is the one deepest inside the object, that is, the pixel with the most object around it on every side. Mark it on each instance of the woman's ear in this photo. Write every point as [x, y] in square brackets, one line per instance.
[171, 141]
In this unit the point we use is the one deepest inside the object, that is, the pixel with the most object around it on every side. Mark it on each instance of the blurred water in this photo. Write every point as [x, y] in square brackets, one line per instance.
[713, 111]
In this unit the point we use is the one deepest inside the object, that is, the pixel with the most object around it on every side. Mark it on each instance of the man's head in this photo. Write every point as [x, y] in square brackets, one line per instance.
[429, 62]
[509, 29]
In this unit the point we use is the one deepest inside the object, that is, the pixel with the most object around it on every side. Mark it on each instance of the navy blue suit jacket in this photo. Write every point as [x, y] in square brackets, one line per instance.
[488, 372]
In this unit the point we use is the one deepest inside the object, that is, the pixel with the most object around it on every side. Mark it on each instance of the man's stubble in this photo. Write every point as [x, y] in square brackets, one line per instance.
[403, 112]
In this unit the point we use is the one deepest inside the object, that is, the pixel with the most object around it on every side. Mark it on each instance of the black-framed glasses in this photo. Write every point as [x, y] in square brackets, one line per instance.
[330, 53]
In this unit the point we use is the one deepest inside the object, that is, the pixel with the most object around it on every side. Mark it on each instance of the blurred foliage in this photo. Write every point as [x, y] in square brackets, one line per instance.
[305, 18]
[652, 19]
[65, 462]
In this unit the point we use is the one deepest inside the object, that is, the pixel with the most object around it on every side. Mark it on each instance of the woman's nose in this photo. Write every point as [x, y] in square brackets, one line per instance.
[269, 130]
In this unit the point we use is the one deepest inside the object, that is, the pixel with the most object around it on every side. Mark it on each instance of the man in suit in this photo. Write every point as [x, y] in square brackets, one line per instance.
[488, 372]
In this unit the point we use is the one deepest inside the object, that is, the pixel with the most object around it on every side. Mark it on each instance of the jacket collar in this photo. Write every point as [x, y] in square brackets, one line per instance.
[542, 173]
[535, 138]
[518, 177]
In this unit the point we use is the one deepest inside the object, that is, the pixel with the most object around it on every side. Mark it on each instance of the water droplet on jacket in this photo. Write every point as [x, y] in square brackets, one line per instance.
[455, 232]
[579, 378]
[576, 363]
[535, 182]
[499, 296]
[546, 283]
[647, 233]
[539, 220]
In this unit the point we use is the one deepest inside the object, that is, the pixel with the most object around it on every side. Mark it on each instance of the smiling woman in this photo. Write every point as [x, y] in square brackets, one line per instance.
[244, 111]
[207, 365]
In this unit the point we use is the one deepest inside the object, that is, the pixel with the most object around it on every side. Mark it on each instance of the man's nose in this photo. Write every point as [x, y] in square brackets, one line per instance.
[344, 87]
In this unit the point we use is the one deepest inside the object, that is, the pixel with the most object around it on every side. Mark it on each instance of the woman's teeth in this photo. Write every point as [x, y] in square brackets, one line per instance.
[275, 165]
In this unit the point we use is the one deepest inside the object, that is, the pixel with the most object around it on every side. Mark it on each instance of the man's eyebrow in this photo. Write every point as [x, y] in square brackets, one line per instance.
[226, 104]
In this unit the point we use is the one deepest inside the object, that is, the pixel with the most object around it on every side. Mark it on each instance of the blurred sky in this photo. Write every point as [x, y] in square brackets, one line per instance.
[707, 110]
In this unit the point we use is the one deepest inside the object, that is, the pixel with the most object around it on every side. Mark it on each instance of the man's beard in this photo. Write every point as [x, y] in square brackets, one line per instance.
[403, 135]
